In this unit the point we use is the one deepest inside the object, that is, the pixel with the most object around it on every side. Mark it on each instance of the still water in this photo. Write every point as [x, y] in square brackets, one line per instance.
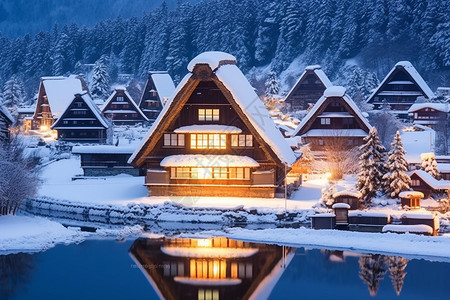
[216, 268]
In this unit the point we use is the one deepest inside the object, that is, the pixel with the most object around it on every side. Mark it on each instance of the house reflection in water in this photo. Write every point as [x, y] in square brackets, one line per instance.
[217, 268]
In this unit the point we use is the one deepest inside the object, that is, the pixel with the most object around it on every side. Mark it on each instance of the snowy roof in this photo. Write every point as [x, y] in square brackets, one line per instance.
[431, 181]
[106, 149]
[443, 167]
[26, 109]
[360, 213]
[408, 67]
[335, 132]
[408, 194]
[333, 92]
[341, 205]
[194, 252]
[444, 107]
[5, 112]
[90, 103]
[408, 228]
[320, 74]
[417, 142]
[60, 91]
[355, 194]
[418, 215]
[208, 160]
[208, 128]
[213, 58]
[111, 97]
[164, 85]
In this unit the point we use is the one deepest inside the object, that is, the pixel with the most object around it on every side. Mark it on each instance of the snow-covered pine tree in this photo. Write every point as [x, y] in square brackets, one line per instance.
[272, 89]
[372, 270]
[327, 194]
[13, 94]
[396, 180]
[100, 87]
[429, 164]
[397, 272]
[371, 163]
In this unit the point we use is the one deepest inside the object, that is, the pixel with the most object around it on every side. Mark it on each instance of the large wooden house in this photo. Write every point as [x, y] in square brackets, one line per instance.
[121, 109]
[430, 114]
[400, 89]
[6, 120]
[54, 95]
[335, 118]
[158, 90]
[308, 88]
[214, 137]
[422, 181]
[217, 268]
[82, 121]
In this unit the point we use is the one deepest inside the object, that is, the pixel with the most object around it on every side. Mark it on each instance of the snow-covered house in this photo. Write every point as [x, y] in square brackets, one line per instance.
[217, 268]
[158, 90]
[6, 120]
[214, 137]
[308, 88]
[335, 118]
[54, 94]
[400, 89]
[416, 140]
[121, 109]
[443, 165]
[81, 121]
[423, 182]
[430, 114]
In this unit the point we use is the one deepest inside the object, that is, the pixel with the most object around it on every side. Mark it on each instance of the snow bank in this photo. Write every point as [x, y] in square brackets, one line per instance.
[408, 229]
[334, 91]
[32, 234]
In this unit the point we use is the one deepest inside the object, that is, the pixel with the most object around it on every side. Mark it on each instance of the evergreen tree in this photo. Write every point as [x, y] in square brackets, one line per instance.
[100, 87]
[371, 162]
[13, 94]
[272, 89]
[396, 180]
[397, 272]
[429, 164]
[372, 271]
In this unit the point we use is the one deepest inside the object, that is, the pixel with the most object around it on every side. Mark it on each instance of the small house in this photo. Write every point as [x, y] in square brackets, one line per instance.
[121, 109]
[308, 88]
[214, 137]
[351, 198]
[400, 89]
[158, 90]
[6, 120]
[54, 95]
[411, 199]
[443, 164]
[430, 114]
[423, 182]
[335, 120]
[81, 121]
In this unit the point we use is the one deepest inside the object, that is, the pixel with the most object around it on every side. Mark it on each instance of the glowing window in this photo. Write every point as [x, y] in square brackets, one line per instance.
[208, 114]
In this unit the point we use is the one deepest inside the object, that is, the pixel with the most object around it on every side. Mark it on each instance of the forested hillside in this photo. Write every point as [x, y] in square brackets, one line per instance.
[372, 34]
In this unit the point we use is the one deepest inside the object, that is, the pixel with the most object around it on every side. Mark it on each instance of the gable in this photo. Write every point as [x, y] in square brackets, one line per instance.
[120, 101]
[313, 79]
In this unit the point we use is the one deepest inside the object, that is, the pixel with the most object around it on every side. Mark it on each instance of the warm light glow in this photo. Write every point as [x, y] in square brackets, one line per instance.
[328, 175]
[43, 128]
[204, 243]
[54, 134]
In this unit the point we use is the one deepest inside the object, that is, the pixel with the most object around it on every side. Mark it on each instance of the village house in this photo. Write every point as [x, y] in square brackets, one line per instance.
[400, 89]
[6, 120]
[423, 182]
[81, 121]
[334, 121]
[54, 95]
[308, 88]
[158, 90]
[430, 114]
[443, 164]
[121, 109]
[214, 137]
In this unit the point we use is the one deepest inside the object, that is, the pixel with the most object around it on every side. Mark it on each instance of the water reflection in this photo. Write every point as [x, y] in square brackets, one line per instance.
[15, 271]
[217, 268]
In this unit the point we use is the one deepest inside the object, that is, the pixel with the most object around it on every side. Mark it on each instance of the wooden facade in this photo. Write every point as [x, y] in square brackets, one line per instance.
[82, 122]
[400, 89]
[423, 182]
[121, 109]
[54, 95]
[216, 268]
[6, 120]
[206, 144]
[308, 88]
[158, 90]
[334, 122]
[433, 115]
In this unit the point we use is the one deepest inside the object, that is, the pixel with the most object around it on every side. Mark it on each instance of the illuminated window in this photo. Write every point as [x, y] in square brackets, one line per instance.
[241, 140]
[210, 173]
[415, 182]
[174, 140]
[208, 268]
[208, 114]
[208, 294]
[208, 141]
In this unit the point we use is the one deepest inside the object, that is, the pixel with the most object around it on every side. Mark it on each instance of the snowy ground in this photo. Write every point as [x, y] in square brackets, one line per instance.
[30, 234]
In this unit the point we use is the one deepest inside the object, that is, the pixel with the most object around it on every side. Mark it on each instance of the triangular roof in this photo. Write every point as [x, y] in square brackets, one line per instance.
[412, 72]
[334, 91]
[6, 113]
[443, 107]
[431, 181]
[90, 103]
[163, 84]
[317, 70]
[237, 90]
[60, 91]
[111, 97]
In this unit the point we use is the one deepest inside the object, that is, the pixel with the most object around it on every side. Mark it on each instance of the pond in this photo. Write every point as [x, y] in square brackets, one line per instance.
[218, 268]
